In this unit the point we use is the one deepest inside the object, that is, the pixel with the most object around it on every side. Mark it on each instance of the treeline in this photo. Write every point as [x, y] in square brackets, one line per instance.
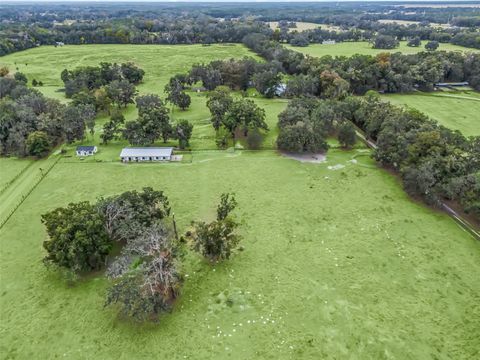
[435, 163]
[192, 29]
[28, 25]
[352, 13]
[146, 277]
[385, 72]
[371, 30]
[31, 124]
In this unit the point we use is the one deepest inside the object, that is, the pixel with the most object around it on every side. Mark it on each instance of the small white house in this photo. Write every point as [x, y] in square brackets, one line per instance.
[280, 89]
[86, 150]
[328, 42]
[146, 154]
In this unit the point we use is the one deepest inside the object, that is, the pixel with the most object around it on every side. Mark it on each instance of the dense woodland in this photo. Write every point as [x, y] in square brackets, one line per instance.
[385, 72]
[32, 124]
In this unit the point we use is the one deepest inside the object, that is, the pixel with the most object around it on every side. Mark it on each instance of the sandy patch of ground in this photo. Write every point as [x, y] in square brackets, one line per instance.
[311, 158]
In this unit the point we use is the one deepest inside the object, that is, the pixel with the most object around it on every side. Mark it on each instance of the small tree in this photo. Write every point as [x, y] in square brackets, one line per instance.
[77, 237]
[217, 239]
[111, 129]
[183, 100]
[246, 114]
[219, 102]
[385, 42]
[346, 135]
[432, 45]
[226, 206]
[121, 92]
[414, 42]
[183, 132]
[175, 93]
[38, 144]
[221, 138]
[20, 77]
[34, 82]
[4, 71]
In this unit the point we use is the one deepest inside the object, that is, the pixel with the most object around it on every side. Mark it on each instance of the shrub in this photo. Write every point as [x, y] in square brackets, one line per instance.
[346, 135]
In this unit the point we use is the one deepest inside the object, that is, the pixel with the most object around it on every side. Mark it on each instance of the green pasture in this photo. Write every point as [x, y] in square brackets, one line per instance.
[160, 62]
[336, 264]
[455, 110]
[10, 168]
[365, 48]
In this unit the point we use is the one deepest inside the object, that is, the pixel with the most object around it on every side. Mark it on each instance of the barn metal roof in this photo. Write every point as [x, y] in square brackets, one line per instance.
[146, 151]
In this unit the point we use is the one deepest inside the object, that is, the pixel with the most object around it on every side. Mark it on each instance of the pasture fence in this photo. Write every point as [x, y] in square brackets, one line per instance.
[459, 219]
[20, 173]
[43, 174]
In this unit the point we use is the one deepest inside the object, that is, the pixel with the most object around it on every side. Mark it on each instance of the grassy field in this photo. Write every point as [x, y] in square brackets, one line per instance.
[365, 48]
[338, 262]
[331, 269]
[10, 168]
[159, 62]
[455, 110]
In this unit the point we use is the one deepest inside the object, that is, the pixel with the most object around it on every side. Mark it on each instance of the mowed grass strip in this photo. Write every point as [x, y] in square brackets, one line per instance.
[337, 263]
[455, 110]
[365, 48]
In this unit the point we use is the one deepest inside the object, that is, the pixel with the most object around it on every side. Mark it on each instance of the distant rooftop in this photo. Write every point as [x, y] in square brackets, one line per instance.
[146, 151]
[85, 148]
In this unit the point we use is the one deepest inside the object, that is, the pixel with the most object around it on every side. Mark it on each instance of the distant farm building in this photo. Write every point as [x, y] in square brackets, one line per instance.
[451, 84]
[147, 154]
[86, 150]
[199, 89]
[280, 89]
[328, 42]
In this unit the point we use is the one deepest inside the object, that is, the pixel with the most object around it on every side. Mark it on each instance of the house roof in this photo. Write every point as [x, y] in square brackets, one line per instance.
[85, 148]
[146, 151]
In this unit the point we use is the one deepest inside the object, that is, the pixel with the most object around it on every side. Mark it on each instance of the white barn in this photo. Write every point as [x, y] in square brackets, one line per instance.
[86, 150]
[146, 154]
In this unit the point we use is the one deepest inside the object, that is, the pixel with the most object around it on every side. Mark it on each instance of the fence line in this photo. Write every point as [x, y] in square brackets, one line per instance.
[8, 184]
[461, 221]
[43, 174]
